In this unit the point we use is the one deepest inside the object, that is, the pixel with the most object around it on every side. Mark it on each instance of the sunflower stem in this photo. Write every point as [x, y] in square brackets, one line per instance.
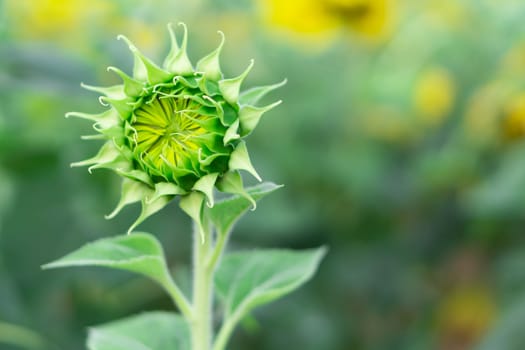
[201, 327]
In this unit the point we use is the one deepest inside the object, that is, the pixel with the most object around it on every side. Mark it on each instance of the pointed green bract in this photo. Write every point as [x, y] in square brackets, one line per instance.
[122, 106]
[253, 95]
[116, 92]
[106, 155]
[240, 160]
[149, 208]
[177, 60]
[192, 204]
[175, 130]
[132, 87]
[230, 88]
[105, 120]
[232, 183]
[249, 116]
[205, 185]
[132, 192]
[232, 133]
[210, 65]
[163, 189]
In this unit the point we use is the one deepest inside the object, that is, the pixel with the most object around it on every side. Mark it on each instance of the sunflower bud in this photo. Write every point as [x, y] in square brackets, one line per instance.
[175, 130]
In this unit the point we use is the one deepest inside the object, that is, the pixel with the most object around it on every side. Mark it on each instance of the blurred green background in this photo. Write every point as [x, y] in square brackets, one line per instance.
[401, 142]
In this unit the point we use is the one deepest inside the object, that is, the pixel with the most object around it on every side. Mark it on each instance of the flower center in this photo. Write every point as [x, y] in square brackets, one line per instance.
[169, 133]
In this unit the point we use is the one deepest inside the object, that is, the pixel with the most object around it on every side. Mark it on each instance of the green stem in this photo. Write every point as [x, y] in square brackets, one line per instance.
[229, 325]
[201, 327]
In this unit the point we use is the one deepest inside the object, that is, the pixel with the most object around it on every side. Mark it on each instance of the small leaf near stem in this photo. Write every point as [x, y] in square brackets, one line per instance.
[227, 212]
[248, 279]
[139, 252]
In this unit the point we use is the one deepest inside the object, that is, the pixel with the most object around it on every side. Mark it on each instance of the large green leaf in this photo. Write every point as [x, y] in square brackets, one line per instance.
[138, 252]
[224, 214]
[148, 331]
[246, 280]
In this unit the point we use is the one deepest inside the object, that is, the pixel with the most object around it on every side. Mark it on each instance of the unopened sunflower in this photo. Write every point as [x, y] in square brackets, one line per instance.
[176, 130]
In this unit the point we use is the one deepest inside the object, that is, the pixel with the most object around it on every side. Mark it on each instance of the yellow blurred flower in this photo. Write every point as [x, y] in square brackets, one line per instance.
[389, 124]
[54, 19]
[514, 117]
[300, 18]
[464, 316]
[78, 23]
[434, 96]
[367, 17]
[451, 14]
[482, 113]
[513, 62]
[322, 20]
[303, 16]
[496, 112]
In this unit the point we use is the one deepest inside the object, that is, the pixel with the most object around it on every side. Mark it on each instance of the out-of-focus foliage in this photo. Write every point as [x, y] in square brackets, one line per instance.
[401, 142]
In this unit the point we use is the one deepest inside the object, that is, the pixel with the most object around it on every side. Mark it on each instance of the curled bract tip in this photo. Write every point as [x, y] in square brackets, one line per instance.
[102, 101]
[131, 46]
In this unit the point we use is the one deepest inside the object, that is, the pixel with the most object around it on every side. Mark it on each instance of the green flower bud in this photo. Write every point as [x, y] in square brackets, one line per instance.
[175, 130]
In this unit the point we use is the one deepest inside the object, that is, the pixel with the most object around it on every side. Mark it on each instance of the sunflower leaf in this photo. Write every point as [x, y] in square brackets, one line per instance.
[139, 252]
[246, 280]
[226, 213]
